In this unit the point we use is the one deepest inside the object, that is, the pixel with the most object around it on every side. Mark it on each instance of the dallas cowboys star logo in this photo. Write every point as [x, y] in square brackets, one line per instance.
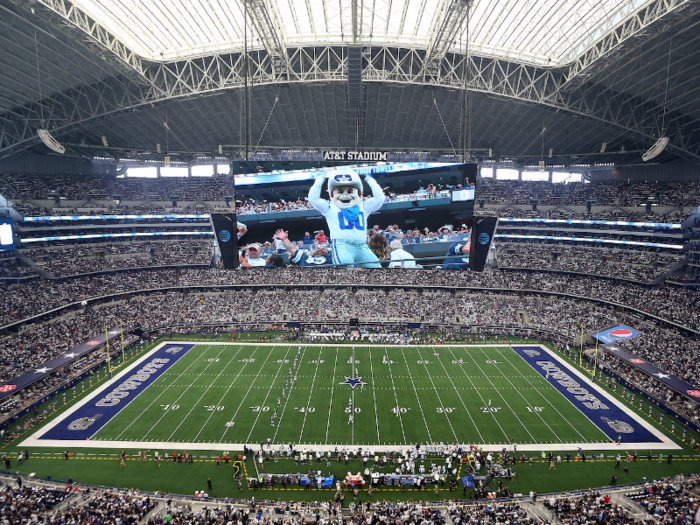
[661, 375]
[613, 348]
[352, 382]
[46, 369]
[70, 355]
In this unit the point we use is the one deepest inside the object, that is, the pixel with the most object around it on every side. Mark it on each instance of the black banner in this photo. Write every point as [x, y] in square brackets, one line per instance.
[226, 230]
[482, 236]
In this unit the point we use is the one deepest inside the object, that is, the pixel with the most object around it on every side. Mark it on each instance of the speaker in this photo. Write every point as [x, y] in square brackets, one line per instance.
[354, 76]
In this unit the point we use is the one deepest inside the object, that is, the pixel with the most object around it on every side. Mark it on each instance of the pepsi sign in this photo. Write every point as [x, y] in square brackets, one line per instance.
[618, 333]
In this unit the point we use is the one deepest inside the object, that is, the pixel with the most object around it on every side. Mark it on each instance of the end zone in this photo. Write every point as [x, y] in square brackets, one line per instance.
[611, 416]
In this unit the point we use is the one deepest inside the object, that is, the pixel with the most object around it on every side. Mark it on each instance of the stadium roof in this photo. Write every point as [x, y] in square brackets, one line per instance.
[576, 76]
[546, 32]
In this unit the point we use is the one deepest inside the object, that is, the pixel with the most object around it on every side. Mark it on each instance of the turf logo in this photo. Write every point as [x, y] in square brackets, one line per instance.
[132, 383]
[573, 387]
[174, 350]
[531, 353]
[84, 422]
[352, 382]
[619, 426]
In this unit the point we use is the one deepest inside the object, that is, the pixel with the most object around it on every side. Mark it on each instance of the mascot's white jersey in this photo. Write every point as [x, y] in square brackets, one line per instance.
[340, 228]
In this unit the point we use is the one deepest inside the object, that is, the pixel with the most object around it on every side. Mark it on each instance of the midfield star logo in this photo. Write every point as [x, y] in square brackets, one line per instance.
[352, 382]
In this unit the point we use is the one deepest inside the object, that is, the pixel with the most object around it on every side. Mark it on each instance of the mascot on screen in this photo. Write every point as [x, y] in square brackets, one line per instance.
[346, 214]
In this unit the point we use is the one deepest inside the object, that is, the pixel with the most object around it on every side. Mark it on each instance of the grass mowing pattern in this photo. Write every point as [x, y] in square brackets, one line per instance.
[412, 395]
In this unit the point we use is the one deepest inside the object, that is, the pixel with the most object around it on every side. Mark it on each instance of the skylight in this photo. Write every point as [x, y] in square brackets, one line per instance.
[546, 32]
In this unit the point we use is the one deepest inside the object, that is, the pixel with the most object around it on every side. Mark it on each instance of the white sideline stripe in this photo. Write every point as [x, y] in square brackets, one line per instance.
[34, 441]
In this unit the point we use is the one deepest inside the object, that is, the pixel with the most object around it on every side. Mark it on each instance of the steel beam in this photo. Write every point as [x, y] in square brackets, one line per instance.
[195, 77]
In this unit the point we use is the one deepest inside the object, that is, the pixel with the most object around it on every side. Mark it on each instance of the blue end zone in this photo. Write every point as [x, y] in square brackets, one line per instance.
[99, 410]
[604, 414]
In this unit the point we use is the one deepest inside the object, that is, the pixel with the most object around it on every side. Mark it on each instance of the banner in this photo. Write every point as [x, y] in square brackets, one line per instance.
[482, 237]
[226, 231]
[49, 367]
[667, 379]
[618, 333]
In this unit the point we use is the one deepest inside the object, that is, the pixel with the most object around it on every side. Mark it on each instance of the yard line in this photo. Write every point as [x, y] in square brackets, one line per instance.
[268, 392]
[303, 424]
[158, 397]
[478, 392]
[415, 390]
[229, 388]
[352, 408]
[284, 409]
[330, 407]
[436, 393]
[247, 391]
[545, 398]
[503, 398]
[524, 398]
[374, 393]
[200, 398]
[461, 400]
[185, 391]
[398, 409]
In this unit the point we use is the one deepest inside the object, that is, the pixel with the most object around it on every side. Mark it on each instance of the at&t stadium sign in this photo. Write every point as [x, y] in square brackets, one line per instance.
[355, 155]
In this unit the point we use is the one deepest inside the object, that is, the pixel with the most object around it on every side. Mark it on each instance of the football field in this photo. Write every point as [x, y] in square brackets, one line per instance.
[220, 394]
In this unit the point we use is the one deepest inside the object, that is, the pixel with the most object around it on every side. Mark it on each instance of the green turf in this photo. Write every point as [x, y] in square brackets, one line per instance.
[413, 395]
[102, 466]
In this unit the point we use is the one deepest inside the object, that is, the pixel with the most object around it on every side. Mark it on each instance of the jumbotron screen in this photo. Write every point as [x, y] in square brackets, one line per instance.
[408, 215]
